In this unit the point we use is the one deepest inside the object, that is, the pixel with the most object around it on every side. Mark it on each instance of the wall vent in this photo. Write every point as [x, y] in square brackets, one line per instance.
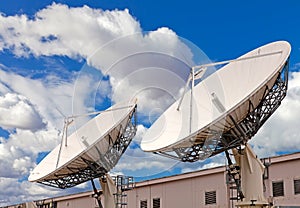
[278, 188]
[210, 197]
[156, 203]
[143, 204]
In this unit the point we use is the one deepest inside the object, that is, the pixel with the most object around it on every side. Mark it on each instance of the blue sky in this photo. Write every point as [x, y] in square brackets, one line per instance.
[221, 29]
[63, 56]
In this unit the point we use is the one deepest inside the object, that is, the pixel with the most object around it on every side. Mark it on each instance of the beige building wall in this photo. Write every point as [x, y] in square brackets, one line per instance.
[188, 190]
[83, 200]
[285, 169]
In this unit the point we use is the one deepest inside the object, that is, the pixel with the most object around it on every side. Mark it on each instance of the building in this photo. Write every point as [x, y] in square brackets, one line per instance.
[207, 188]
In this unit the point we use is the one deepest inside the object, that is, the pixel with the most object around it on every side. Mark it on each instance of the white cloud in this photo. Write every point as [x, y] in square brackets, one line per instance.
[22, 164]
[45, 97]
[55, 30]
[19, 151]
[36, 125]
[80, 33]
[151, 66]
[60, 30]
[12, 191]
[17, 112]
[137, 163]
[111, 41]
[29, 109]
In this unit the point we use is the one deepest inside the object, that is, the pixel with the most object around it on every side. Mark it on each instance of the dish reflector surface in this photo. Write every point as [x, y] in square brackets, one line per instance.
[225, 94]
[91, 151]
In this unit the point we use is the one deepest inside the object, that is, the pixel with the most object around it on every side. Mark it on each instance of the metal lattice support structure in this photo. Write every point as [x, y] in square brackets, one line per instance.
[123, 183]
[97, 168]
[218, 141]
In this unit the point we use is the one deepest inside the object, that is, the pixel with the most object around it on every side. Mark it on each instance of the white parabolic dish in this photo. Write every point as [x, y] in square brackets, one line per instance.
[88, 142]
[232, 86]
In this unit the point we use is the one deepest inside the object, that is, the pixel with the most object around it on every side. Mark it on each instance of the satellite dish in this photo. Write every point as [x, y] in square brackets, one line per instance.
[224, 110]
[91, 151]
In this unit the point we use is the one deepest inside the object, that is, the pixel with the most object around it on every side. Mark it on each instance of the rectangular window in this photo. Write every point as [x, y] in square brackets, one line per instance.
[210, 197]
[143, 204]
[297, 186]
[156, 203]
[278, 188]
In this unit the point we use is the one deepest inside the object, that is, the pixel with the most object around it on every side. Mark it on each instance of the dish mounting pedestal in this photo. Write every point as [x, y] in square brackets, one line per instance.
[247, 175]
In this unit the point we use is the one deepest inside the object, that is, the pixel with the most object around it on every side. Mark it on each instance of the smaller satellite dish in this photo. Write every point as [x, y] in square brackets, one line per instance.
[91, 151]
[224, 110]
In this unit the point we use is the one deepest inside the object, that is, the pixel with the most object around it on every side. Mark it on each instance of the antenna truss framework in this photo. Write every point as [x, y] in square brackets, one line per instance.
[241, 131]
[95, 169]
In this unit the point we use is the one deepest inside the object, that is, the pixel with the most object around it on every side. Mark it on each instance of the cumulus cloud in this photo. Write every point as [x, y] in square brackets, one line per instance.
[111, 42]
[152, 66]
[148, 65]
[28, 109]
[60, 30]
[17, 112]
[137, 163]
[14, 191]
[40, 100]
[18, 152]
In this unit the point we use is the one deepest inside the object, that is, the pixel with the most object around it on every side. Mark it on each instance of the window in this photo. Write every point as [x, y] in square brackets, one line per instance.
[210, 197]
[143, 204]
[156, 203]
[278, 188]
[297, 186]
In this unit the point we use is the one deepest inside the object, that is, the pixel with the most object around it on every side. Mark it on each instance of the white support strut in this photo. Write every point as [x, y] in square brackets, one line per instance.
[202, 69]
[251, 170]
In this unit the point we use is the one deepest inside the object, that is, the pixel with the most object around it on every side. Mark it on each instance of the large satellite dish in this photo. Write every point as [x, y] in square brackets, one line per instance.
[91, 151]
[224, 110]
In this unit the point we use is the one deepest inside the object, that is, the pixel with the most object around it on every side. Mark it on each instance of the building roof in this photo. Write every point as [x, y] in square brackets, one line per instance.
[214, 170]
[198, 173]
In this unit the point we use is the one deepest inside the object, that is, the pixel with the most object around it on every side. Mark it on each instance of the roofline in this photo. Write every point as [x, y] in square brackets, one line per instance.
[285, 157]
[214, 170]
[194, 174]
[69, 196]
[181, 176]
